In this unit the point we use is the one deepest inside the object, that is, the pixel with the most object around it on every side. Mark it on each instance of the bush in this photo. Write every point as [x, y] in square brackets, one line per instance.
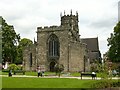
[14, 67]
[19, 67]
[59, 68]
[116, 84]
[5, 70]
[106, 84]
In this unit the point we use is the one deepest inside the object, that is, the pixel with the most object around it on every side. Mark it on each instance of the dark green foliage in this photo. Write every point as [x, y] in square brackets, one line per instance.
[116, 84]
[114, 43]
[0, 45]
[12, 45]
[25, 42]
[14, 67]
[106, 84]
[9, 41]
[59, 68]
[22, 44]
[5, 70]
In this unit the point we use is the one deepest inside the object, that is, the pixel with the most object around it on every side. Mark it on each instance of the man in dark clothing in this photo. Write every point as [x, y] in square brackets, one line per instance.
[10, 73]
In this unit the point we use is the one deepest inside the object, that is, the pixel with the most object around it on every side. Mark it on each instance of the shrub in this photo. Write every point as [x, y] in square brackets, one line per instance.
[116, 84]
[59, 68]
[106, 84]
[5, 70]
[14, 67]
[19, 67]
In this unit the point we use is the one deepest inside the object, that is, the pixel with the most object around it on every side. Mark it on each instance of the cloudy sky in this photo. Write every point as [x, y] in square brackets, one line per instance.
[96, 17]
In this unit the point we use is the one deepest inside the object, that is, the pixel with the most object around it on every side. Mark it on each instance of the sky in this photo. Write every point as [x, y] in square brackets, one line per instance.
[97, 18]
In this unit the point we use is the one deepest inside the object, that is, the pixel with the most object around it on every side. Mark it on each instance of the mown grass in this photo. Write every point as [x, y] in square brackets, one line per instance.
[30, 73]
[10, 82]
[74, 74]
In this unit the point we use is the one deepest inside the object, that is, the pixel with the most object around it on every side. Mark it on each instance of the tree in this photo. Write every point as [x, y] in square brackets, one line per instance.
[12, 45]
[25, 42]
[114, 44]
[0, 45]
[22, 44]
[59, 68]
[9, 42]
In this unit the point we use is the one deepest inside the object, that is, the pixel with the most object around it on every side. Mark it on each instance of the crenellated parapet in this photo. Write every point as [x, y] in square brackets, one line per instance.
[47, 27]
[52, 28]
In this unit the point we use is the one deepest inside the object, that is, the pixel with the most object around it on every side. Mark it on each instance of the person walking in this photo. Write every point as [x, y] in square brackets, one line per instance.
[10, 73]
[93, 75]
[38, 70]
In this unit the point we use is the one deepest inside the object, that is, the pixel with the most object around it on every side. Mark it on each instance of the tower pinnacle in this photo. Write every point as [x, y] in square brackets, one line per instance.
[61, 14]
[64, 12]
[76, 13]
[71, 12]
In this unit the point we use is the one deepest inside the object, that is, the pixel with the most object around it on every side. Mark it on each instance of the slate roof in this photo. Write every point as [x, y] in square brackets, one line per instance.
[93, 47]
[92, 43]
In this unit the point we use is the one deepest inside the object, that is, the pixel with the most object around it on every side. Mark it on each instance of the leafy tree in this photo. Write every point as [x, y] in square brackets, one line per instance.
[12, 45]
[114, 43]
[25, 42]
[9, 42]
[22, 44]
[0, 45]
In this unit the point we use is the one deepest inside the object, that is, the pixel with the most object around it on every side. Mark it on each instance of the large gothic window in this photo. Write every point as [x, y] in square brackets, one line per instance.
[53, 44]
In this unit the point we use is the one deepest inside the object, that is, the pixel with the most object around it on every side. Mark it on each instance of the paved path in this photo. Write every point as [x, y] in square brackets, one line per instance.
[98, 78]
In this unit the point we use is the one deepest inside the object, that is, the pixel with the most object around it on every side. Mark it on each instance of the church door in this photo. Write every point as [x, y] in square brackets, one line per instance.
[52, 66]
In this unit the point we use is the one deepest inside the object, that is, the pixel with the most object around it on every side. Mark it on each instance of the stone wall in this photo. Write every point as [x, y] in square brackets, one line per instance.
[26, 58]
[76, 57]
[72, 51]
[42, 47]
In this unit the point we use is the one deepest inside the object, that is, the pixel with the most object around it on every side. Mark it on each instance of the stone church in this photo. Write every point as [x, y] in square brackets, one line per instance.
[59, 45]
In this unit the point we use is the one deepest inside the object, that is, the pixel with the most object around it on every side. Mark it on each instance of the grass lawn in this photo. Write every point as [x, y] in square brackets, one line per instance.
[29, 73]
[75, 74]
[10, 82]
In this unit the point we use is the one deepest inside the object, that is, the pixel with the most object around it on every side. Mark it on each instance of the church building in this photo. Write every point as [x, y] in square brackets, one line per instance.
[58, 45]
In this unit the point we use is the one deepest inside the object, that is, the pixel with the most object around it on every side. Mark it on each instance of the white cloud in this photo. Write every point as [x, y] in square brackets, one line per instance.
[96, 17]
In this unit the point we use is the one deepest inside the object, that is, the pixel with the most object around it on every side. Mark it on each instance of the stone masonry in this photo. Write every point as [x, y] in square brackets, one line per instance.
[58, 44]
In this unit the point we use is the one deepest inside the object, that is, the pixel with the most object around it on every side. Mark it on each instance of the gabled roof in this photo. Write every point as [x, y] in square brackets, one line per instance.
[92, 43]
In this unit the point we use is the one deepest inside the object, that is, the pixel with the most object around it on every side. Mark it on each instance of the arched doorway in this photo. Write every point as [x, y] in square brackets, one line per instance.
[52, 65]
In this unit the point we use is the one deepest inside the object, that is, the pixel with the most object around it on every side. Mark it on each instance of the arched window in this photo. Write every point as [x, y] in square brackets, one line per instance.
[53, 44]
[30, 59]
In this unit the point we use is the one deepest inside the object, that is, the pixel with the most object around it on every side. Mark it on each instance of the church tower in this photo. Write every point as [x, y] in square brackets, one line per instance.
[70, 21]
[58, 45]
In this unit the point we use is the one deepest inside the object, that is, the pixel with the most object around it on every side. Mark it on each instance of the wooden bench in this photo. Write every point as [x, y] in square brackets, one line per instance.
[88, 74]
[19, 71]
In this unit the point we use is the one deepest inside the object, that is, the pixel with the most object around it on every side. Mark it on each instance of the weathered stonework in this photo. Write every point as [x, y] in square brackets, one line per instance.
[72, 52]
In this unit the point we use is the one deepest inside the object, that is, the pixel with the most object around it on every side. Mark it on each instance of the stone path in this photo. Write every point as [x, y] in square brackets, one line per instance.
[98, 78]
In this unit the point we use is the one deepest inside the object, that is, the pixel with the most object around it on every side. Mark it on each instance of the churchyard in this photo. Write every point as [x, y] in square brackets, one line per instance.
[51, 80]
[61, 52]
